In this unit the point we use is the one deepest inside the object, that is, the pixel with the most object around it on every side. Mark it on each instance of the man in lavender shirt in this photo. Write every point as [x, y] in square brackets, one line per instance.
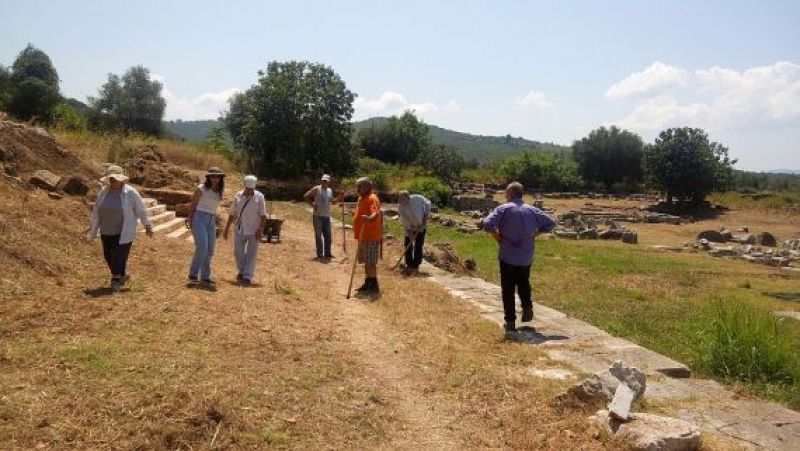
[514, 225]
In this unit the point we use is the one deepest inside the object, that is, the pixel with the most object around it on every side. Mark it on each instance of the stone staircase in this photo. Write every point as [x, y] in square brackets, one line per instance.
[164, 222]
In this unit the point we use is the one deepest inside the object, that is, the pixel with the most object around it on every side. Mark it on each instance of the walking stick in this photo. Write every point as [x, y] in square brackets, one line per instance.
[344, 231]
[355, 260]
[410, 243]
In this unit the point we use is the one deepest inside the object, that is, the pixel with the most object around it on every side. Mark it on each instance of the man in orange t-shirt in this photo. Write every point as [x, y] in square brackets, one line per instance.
[368, 233]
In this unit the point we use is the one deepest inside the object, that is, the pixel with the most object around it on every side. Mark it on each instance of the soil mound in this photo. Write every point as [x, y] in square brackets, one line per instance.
[25, 149]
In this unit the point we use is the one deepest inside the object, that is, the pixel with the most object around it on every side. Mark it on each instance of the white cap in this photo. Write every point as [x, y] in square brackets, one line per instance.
[326, 178]
[250, 181]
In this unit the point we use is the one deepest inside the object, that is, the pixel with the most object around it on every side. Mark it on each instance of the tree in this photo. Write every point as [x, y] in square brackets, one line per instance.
[5, 87]
[33, 85]
[443, 160]
[684, 164]
[541, 171]
[396, 140]
[132, 102]
[610, 158]
[296, 118]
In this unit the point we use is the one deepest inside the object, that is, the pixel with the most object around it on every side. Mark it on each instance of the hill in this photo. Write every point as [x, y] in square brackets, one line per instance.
[192, 131]
[479, 147]
[784, 171]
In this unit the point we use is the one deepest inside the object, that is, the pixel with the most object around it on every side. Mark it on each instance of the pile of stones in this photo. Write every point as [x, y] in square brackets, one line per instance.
[759, 248]
[575, 226]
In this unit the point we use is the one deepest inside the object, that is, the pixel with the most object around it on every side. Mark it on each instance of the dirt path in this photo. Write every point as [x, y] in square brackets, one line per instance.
[421, 421]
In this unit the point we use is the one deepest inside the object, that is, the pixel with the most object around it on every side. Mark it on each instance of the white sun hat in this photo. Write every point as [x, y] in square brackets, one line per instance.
[250, 181]
[326, 178]
[116, 173]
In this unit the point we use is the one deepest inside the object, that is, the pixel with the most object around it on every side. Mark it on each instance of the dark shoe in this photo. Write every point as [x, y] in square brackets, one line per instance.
[192, 279]
[116, 284]
[239, 277]
[208, 282]
[374, 289]
[244, 281]
[364, 286]
[329, 257]
[527, 315]
[511, 332]
[510, 327]
[124, 279]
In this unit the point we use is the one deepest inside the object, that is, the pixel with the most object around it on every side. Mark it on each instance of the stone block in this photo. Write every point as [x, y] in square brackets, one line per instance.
[45, 180]
[648, 432]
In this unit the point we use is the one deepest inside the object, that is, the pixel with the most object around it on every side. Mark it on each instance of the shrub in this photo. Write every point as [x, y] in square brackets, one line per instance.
[430, 187]
[68, 118]
[749, 345]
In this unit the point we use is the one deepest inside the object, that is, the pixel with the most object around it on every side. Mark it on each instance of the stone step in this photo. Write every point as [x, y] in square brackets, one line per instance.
[150, 202]
[162, 217]
[179, 233]
[155, 210]
[169, 226]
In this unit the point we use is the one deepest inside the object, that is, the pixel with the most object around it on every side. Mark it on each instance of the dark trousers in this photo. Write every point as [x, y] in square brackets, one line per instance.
[322, 235]
[116, 254]
[513, 278]
[414, 253]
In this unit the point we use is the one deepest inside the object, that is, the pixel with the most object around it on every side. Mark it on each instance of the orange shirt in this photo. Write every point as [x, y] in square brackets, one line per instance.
[372, 229]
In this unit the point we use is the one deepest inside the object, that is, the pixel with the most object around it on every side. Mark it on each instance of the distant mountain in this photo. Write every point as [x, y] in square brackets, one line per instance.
[783, 171]
[192, 131]
[479, 147]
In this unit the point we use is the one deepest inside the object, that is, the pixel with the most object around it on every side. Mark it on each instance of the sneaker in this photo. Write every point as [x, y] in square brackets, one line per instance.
[124, 279]
[116, 285]
[246, 281]
[373, 287]
[527, 315]
[192, 279]
[208, 282]
[329, 257]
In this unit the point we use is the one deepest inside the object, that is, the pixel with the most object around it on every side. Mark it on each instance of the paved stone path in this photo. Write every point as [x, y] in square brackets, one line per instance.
[670, 389]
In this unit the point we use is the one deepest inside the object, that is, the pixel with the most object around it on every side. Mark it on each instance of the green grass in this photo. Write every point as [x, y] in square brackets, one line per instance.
[774, 201]
[666, 302]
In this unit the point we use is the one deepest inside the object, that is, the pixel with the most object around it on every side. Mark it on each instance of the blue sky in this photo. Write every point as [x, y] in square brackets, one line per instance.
[550, 71]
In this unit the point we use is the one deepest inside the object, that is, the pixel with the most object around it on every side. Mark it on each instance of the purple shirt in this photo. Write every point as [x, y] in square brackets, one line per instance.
[517, 224]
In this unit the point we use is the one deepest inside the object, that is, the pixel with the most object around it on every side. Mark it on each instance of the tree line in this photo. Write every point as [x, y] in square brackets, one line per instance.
[297, 119]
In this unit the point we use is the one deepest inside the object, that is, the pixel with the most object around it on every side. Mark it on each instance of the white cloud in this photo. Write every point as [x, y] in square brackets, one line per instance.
[393, 103]
[653, 78]
[726, 99]
[535, 99]
[205, 106]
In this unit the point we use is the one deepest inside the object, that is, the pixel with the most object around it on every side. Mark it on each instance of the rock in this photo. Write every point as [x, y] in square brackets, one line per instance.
[726, 234]
[726, 251]
[470, 264]
[10, 170]
[747, 238]
[168, 196]
[596, 389]
[6, 154]
[648, 432]
[74, 185]
[447, 222]
[588, 234]
[54, 195]
[620, 407]
[45, 180]
[630, 237]
[743, 229]
[182, 210]
[766, 239]
[630, 376]
[712, 235]
[611, 234]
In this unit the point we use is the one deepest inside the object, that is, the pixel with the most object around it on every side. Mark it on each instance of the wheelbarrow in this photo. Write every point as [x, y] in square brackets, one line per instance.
[272, 229]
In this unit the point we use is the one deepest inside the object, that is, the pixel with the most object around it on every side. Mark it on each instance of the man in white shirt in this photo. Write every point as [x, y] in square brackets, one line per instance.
[414, 210]
[249, 214]
[320, 198]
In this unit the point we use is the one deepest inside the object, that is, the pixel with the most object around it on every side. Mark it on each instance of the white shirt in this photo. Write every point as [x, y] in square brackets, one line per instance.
[248, 220]
[415, 212]
[209, 200]
[322, 201]
[133, 210]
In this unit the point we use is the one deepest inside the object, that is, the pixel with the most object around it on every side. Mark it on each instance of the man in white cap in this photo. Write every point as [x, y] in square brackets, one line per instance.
[320, 198]
[414, 210]
[249, 214]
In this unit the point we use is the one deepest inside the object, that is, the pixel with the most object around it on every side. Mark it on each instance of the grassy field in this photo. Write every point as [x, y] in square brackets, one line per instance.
[774, 201]
[695, 308]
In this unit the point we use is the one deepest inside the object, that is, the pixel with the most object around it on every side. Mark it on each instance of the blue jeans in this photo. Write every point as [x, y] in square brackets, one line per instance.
[322, 231]
[204, 231]
[245, 249]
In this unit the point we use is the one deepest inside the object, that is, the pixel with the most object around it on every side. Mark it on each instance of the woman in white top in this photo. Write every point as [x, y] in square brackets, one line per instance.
[203, 222]
[116, 211]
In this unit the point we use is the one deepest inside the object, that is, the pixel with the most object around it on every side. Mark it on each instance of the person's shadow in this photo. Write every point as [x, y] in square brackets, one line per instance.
[101, 292]
[528, 334]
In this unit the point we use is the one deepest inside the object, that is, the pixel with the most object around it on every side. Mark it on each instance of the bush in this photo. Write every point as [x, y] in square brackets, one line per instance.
[430, 187]
[750, 345]
[68, 118]
[541, 171]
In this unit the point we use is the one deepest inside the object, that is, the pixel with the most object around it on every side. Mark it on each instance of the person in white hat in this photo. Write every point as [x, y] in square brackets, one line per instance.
[249, 214]
[115, 215]
[320, 197]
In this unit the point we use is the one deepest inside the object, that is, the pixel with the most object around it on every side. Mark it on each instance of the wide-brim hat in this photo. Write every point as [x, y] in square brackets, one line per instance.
[213, 170]
[116, 173]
